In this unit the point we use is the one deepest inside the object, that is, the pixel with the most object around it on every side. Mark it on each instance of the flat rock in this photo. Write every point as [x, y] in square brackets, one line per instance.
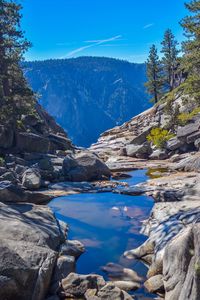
[187, 130]
[174, 144]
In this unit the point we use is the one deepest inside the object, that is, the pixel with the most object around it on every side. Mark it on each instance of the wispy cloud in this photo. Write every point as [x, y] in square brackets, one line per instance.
[92, 43]
[148, 26]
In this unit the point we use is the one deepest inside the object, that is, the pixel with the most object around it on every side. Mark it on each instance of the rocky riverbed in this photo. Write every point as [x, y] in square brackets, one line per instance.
[172, 249]
[39, 163]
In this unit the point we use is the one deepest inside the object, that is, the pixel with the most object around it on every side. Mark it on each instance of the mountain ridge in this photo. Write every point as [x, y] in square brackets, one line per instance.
[88, 95]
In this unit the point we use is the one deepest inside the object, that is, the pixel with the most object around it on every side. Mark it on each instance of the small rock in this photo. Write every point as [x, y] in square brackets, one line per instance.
[155, 284]
[159, 154]
[125, 285]
[112, 292]
[75, 285]
[73, 248]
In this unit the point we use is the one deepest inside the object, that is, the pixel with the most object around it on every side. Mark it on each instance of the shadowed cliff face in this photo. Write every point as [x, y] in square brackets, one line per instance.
[88, 95]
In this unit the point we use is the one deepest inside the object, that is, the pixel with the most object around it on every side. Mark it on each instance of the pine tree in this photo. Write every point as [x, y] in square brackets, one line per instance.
[15, 96]
[154, 84]
[170, 59]
[191, 58]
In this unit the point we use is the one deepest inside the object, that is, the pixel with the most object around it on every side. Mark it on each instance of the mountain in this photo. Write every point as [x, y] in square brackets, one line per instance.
[88, 95]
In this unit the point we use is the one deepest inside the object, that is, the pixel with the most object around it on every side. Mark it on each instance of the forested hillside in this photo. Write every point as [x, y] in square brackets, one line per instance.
[88, 95]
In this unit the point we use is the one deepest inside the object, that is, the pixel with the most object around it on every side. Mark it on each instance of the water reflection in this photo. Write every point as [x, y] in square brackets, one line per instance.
[107, 224]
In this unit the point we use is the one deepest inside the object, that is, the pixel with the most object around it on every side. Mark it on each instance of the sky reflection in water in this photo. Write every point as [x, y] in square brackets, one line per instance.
[107, 224]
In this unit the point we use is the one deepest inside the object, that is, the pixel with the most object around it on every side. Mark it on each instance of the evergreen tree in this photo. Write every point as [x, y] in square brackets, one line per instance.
[191, 58]
[154, 84]
[170, 59]
[15, 96]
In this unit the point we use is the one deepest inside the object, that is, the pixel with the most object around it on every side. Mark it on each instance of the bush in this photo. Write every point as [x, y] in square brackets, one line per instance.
[159, 137]
[2, 161]
[20, 124]
[184, 118]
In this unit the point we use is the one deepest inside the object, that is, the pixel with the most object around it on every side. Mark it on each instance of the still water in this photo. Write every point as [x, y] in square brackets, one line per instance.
[107, 224]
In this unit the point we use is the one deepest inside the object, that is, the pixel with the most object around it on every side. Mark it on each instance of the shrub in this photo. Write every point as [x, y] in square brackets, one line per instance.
[2, 161]
[184, 118]
[20, 124]
[159, 137]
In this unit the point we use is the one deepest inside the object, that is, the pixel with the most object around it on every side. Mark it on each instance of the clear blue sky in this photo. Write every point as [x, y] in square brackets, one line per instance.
[123, 29]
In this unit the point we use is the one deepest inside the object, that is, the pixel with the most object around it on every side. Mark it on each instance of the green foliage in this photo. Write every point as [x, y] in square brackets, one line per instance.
[2, 161]
[170, 59]
[155, 172]
[159, 137]
[154, 83]
[20, 124]
[191, 58]
[15, 96]
[184, 118]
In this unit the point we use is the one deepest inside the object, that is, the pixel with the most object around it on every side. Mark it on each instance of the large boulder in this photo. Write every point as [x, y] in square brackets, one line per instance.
[174, 144]
[31, 179]
[30, 237]
[142, 137]
[85, 166]
[6, 136]
[30, 142]
[140, 151]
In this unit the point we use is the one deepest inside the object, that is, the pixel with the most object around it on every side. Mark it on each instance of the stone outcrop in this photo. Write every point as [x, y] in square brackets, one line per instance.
[181, 265]
[172, 248]
[130, 139]
[30, 241]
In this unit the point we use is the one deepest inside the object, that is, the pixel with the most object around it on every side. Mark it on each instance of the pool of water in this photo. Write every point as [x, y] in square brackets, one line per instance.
[107, 224]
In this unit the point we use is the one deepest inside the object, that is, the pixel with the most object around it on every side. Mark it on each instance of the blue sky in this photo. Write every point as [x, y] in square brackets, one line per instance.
[122, 29]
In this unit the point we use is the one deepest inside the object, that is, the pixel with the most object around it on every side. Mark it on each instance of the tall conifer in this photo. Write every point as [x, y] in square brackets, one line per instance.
[191, 47]
[154, 84]
[170, 59]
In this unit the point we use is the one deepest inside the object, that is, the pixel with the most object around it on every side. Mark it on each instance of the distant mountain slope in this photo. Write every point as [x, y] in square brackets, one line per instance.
[88, 95]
